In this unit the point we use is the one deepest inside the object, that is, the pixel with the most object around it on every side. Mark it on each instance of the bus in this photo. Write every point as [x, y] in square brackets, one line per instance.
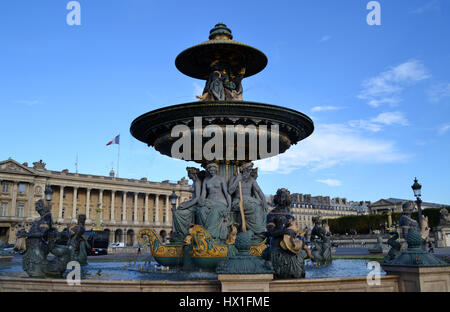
[98, 240]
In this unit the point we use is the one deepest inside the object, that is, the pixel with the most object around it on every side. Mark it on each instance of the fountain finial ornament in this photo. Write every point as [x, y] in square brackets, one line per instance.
[220, 31]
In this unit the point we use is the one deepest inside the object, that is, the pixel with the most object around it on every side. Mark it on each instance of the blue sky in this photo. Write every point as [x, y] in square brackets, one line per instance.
[379, 95]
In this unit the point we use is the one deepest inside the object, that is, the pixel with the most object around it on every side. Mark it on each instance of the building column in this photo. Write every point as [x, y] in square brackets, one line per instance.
[74, 204]
[14, 200]
[135, 209]
[167, 209]
[88, 201]
[29, 209]
[156, 209]
[61, 200]
[100, 199]
[146, 208]
[113, 214]
[124, 204]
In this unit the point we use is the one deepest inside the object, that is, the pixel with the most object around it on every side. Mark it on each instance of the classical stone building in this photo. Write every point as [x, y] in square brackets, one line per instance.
[395, 205]
[304, 207]
[127, 205]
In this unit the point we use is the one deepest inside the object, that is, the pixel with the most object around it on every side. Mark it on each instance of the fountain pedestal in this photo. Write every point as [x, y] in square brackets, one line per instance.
[245, 282]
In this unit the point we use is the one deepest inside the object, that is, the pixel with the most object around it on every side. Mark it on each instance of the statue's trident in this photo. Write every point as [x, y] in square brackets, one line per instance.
[241, 205]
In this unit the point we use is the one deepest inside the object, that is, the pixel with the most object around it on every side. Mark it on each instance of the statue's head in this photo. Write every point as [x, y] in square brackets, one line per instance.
[212, 168]
[282, 198]
[192, 172]
[316, 219]
[246, 169]
[81, 219]
[41, 208]
[408, 207]
[444, 213]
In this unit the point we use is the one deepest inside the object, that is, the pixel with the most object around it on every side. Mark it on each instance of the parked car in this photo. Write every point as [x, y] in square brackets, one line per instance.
[8, 248]
[117, 245]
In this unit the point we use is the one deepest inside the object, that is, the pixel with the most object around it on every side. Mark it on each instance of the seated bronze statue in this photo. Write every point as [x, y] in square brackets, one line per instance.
[38, 247]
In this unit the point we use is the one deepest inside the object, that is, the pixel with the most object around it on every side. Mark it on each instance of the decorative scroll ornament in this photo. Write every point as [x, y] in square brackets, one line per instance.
[148, 237]
[257, 249]
[204, 245]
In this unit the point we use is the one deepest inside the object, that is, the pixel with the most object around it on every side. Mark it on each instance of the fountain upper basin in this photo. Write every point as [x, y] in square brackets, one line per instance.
[155, 127]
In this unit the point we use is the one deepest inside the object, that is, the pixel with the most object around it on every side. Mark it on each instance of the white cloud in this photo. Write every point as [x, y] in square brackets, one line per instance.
[386, 88]
[365, 124]
[324, 108]
[325, 38]
[444, 128]
[28, 102]
[330, 182]
[376, 124]
[429, 6]
[439, 91]
[390, 118]
[331, 145]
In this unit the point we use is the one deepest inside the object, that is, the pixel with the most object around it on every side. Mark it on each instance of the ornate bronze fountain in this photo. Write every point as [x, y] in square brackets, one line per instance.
[227, 200]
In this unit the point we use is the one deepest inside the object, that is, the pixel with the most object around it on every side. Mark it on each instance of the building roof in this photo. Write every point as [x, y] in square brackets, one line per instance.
[38, 169]
[397, 201]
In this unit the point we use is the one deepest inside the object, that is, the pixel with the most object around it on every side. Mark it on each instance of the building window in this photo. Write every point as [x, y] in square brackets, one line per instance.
[3, 209]
[5, 187]
[20, 209]
[22, 188]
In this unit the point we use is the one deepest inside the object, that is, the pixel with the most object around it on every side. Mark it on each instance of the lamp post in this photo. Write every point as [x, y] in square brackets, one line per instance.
[99, 222]
[389, 220]
[173, 200]
[416, 187]
[48, 195]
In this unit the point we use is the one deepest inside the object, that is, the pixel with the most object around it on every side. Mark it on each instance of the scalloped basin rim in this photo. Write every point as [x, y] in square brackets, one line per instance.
[235, 109]
[154, 128]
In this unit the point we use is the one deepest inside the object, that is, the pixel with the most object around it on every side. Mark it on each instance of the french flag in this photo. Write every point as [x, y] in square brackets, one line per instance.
[116, 140]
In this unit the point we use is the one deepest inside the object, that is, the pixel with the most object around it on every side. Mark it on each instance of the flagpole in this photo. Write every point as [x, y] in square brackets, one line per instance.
[118, 158]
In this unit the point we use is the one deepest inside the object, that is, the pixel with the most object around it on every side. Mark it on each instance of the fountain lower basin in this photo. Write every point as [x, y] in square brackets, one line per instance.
[141, 270]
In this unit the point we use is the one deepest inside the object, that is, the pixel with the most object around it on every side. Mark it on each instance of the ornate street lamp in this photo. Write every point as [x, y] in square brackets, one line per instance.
[173, 199]
[416, 187]
[48, 195]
